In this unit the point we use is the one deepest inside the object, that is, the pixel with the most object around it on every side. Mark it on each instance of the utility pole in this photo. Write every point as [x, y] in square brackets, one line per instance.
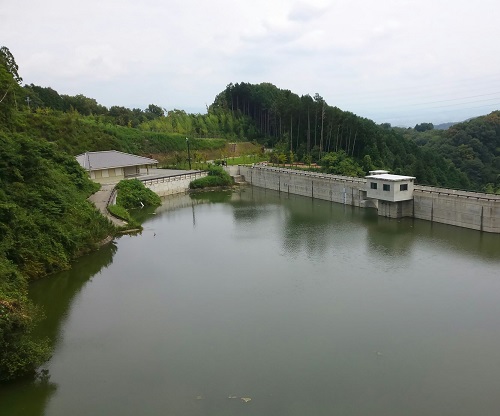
[189, 153]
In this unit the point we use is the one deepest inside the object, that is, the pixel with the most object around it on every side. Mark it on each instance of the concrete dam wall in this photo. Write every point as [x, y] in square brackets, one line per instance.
[473, 210]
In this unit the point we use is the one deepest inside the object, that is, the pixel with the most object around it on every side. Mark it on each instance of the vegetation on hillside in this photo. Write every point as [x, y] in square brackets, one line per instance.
[472, 146]
[301, 129]
[45, 222]
[153, 119]
[307, 129]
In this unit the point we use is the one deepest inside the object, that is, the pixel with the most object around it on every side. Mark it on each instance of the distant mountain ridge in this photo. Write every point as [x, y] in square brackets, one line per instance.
[446, 126]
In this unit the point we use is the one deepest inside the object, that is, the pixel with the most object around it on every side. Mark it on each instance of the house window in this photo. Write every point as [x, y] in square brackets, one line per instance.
[403, 187]
[386, 187]
[373, 185]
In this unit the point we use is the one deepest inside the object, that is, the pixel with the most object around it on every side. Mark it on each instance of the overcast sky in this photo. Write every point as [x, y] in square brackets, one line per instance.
[397, 61]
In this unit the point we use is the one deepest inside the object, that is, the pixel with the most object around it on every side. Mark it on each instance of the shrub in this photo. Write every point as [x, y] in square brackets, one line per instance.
[119, 212]
[133, 194]
[216, 177]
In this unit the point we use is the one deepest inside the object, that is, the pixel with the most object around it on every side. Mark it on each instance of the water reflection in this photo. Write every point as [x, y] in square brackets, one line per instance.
[13, 397]
[54, 295]
[314, 224]
[468, 242]
[212, 196]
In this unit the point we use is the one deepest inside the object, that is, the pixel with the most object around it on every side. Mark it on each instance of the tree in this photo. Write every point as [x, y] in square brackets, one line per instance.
[9, 86]
[44, 97]
[154, 111]
[198, 157]
[424, 127]
[7, 60]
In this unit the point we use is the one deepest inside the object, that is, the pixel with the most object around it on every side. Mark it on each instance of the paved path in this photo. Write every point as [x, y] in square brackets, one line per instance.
[100, 200]
[101, 197]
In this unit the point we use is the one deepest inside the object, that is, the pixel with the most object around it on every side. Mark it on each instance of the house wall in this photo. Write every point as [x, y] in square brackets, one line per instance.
[103, 176]
[113, 175]
[131, 170]
[146, 169]
[394, 194]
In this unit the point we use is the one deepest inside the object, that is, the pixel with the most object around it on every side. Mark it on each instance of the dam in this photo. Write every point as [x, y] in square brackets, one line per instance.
[474, 210]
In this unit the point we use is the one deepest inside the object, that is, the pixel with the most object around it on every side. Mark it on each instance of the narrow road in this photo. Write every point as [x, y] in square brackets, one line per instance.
[100, 200]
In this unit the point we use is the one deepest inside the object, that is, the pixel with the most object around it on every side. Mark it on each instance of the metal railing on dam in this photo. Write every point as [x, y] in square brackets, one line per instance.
[311, 174]
[457, 192]
[168, 184]
[172, 178]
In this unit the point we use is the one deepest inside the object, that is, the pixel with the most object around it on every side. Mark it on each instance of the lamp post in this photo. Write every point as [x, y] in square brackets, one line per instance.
[189, 153]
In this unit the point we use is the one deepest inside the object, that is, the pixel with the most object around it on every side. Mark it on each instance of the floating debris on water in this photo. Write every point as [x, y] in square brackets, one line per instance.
[199, 397]
[232, 397]
[246, 399]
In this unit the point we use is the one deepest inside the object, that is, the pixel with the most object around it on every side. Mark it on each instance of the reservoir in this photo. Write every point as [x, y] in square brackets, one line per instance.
[303, 306]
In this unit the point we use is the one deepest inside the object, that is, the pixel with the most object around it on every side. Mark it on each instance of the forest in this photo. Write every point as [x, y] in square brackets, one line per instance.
[46, 220]
[299, 129]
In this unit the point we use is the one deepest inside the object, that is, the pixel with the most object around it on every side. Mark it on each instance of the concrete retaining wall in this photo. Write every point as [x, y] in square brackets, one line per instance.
[340, 189]
[175, 184]
[465, 209]
[473, 210]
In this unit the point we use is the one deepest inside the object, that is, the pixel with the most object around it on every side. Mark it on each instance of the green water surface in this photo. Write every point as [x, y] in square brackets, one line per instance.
[303, 306]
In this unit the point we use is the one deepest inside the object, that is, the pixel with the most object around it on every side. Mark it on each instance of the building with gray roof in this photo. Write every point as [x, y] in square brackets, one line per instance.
[112, 166]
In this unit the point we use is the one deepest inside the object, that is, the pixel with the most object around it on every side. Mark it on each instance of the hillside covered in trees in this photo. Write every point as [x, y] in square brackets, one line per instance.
[307, 127]
[45, 222]
[473, 146]
[298, 128]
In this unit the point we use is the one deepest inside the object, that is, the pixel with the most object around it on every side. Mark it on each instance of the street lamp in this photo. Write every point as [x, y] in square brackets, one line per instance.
[189, 153]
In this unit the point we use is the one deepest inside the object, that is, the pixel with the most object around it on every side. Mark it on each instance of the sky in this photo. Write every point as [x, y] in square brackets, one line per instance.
[393, 61]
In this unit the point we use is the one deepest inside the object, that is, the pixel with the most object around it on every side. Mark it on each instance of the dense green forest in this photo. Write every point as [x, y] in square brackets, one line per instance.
[46, 220]
[299, 128]
[307, 128]
[473, 146]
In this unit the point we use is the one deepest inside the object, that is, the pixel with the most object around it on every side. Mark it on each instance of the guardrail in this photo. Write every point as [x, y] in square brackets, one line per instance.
[112, 196]
[422, 188]
[173, 178]
[310, 174]
[458, 193]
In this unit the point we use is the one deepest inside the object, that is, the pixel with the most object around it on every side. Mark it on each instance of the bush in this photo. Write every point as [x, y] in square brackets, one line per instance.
[216, 177]
[133, 194]
[119, 212]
